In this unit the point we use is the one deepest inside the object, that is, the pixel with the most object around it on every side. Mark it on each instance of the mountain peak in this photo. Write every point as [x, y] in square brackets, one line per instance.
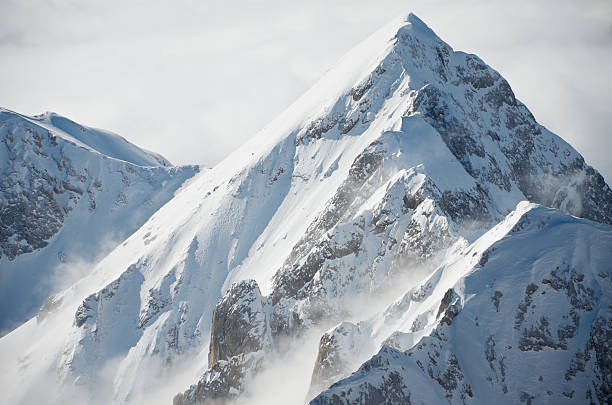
[418, 24]
[376, 181]
[101, 141]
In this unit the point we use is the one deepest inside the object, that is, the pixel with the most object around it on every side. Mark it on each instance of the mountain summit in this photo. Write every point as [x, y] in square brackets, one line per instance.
[363, 220]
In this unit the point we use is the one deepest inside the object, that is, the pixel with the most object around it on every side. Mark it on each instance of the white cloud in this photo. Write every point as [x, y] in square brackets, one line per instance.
[193, 80]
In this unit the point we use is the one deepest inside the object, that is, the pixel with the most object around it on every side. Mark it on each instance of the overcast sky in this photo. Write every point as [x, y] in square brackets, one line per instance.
[194, 79]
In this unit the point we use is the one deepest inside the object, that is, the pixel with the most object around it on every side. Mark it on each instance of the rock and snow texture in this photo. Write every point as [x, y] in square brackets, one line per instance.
[391, 166]
[68, 195]
[523, 315]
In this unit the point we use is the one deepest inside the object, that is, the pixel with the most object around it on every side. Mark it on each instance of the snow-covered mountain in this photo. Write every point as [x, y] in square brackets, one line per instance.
[395, 179]
[68, 195]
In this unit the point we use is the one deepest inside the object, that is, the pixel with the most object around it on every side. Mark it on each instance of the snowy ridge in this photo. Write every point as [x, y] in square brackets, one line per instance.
[104, 142]
[400, 157]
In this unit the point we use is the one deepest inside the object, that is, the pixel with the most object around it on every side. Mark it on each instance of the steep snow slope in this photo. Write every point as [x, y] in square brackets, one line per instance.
[64, 204]
[402, 154]
[522, 315]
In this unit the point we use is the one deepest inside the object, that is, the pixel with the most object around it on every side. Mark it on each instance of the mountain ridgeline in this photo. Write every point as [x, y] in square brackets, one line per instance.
[407, 215]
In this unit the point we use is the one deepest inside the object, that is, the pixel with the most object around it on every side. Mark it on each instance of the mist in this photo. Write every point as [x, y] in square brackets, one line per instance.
[286, 376]
[37, 286]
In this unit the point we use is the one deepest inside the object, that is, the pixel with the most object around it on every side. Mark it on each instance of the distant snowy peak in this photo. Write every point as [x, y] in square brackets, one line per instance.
[63, 202]
[104, 142]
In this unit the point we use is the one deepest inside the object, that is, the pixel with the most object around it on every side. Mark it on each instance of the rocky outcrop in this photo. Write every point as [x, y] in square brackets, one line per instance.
[339, 351]
[239, 323]
[222, 383]
[240, 333]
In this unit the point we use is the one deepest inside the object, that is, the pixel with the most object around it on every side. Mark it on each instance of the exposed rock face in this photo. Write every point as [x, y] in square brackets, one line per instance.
[240, 333]
[30, 213]
[222, 383]
[239, 322]
[338, 349]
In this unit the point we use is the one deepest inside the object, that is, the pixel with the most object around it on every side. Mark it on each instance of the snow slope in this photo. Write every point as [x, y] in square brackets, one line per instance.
[63, 204]
[402, 155]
